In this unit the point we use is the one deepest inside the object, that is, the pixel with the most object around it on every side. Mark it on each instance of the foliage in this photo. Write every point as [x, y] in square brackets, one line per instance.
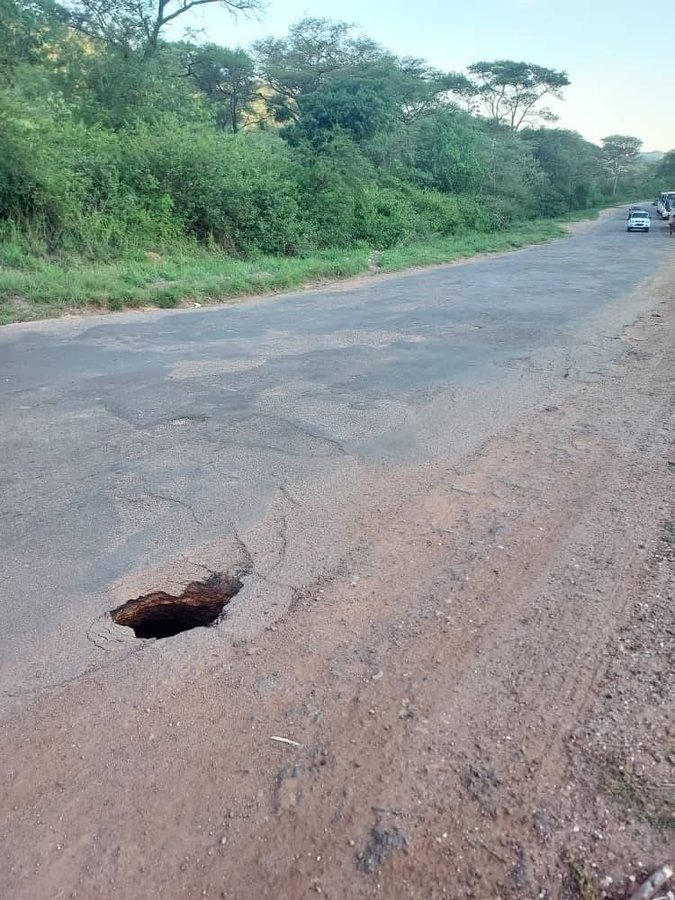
[301, 63]
[665, 168]
[24, 28]
[511, 92]
[227, 77]
[136, 25]
[574, 169]
[445, 152]
[115, 143]
[620, 152]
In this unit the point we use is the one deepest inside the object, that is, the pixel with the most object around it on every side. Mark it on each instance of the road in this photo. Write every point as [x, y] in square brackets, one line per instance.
[131, 440]
[276, 437]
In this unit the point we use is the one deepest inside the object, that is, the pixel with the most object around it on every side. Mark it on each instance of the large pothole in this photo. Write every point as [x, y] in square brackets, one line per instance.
[161, 615]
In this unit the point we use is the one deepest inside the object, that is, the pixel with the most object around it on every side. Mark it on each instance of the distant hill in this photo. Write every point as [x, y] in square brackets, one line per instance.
[652, 155]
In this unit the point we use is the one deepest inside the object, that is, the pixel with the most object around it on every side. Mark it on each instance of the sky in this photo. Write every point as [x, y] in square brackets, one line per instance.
[617, 53]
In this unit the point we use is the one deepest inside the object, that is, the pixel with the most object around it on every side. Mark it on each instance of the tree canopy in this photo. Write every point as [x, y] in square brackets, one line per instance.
[511, 92]
[620, 152]
[138, 24]
[114, 139]
[665, 168]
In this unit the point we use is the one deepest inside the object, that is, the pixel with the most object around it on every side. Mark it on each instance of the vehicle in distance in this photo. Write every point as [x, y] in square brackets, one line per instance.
[638, 220]
[665, 203]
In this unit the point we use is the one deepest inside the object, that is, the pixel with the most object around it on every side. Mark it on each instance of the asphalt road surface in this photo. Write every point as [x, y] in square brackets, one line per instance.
[138, 447]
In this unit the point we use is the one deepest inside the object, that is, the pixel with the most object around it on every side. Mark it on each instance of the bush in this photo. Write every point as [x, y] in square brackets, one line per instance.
[38, 186]
[238, 191]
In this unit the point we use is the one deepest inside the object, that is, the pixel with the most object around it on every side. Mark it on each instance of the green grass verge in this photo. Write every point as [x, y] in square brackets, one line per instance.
[32, 287]
[445, 250]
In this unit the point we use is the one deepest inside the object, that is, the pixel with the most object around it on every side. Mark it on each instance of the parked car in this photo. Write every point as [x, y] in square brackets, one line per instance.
[638, 220]
[664, 203]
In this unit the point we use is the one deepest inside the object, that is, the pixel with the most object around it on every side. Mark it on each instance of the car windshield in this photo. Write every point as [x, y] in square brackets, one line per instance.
[639, 212]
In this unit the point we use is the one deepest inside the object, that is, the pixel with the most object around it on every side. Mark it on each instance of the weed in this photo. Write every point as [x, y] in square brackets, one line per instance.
[646, 803]
[583, 882]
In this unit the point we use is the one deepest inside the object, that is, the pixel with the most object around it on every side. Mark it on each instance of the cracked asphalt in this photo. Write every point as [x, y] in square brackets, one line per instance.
[133, 441]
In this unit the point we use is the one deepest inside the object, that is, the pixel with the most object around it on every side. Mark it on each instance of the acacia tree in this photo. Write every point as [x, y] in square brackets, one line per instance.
[137, 24]
[301, 63]
[462, 92]
[511, 92]
[318, 52]
[620, 152]
[228, 78]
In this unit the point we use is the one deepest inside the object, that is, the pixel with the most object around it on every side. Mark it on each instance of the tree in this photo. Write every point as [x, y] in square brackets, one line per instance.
[228, 78]
[360, 106]
[620, 152]
[420, 88]
[665, 168]
[444, 152]
[314, 51]
[462, 92]
[574, 166]
[511, 92]
[136, 25]
[513, 179]
[24, 27]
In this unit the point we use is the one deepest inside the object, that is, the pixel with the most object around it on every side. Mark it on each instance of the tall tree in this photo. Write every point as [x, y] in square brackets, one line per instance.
[511, 92]
[24, 28]
[575, 167]
[462, 92]
[620, 152]
[359, 105]
[665, 168]
[136, 25]
[318, 52]
[228, 78]
[314, 51]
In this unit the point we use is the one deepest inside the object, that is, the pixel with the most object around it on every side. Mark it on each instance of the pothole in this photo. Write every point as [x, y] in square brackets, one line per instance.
[161, 615]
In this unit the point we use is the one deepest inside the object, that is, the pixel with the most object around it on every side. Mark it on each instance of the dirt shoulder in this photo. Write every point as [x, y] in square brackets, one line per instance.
[480, 694]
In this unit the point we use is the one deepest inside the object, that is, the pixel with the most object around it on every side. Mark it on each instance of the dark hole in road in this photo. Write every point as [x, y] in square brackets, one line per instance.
[160, 615]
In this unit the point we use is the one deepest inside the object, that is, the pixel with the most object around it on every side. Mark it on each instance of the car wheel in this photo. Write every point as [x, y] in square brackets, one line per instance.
[647, 230]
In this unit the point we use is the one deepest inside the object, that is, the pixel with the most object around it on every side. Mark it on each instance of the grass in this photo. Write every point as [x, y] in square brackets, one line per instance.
[34, 287]
[647, 804]
[583, 882]
[669, 532]
[444, 250]
[39, 288]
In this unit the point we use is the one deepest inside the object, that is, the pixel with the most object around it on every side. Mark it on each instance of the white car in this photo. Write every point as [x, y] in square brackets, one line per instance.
[664, 203]
[638, 220]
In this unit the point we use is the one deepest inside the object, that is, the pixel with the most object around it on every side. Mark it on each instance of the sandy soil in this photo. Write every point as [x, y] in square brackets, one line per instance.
[480, 694]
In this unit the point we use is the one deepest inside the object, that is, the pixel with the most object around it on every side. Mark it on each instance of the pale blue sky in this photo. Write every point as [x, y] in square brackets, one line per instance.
[618, 53]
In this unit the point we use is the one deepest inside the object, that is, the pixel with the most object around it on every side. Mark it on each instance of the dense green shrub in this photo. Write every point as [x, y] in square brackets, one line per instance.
[239, 191]
[108, 151]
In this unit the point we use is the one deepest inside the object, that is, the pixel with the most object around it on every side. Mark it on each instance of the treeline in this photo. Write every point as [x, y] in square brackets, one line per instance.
[113, 139]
